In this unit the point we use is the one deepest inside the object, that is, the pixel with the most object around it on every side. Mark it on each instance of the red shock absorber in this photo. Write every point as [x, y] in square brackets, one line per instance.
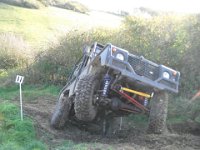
[132, 100]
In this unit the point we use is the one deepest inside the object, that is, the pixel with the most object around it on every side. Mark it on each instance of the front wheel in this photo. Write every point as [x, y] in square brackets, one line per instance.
[83, 104]
[158, 113]
[62, 110]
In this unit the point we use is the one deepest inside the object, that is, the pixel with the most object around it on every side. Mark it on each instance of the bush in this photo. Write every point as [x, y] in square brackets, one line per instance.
[166, 39]
[54, 65]
[178, 109]
[157, 38]
[13, 51]
[71, 5]
[190, 63]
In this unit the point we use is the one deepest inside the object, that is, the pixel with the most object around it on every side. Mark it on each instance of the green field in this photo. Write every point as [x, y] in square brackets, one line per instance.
[39, 26]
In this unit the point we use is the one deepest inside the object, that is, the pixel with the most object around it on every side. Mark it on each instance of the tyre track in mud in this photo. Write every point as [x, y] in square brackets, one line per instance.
[131, 139]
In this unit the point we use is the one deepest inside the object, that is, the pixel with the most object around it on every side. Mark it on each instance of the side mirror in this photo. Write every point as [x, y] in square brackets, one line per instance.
[86, 50]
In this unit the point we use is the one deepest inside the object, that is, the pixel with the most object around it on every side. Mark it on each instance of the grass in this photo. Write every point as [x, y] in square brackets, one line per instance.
[138, 120]
[70, 145]
[14, 133]
[39, 26]
[30, 93]
[36, 26]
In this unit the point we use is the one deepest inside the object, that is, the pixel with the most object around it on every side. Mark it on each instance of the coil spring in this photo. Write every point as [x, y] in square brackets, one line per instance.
[106, 85]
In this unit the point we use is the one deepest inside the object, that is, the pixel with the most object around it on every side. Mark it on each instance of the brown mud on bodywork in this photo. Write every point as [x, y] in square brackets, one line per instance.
[179, 137]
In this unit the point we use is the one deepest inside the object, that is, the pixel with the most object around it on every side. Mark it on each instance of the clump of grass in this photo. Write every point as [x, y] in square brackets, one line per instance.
[13, 51]
[70, 145]
[30, 93]
[14, 133]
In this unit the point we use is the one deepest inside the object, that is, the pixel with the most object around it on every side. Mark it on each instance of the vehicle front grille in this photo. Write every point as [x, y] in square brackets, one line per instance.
[144, 68]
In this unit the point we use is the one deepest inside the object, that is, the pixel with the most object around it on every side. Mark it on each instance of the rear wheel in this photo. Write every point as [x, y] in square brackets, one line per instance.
[83, 104]
[62, 110]
[158, 113]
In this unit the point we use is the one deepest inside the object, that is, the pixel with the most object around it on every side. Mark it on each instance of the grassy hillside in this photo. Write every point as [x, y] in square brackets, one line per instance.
[37, 26]
[37, 4]
[33, 4]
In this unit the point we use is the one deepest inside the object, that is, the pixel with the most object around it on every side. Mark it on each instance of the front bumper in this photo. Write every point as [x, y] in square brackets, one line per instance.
[148, 73]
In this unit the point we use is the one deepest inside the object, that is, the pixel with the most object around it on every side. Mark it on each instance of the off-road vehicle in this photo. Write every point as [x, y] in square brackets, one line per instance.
[110, 82]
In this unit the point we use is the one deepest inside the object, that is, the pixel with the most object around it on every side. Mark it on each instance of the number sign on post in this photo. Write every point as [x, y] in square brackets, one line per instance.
[19, 79]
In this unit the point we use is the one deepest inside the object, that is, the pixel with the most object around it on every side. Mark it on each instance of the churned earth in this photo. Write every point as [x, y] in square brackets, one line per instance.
[185, 136]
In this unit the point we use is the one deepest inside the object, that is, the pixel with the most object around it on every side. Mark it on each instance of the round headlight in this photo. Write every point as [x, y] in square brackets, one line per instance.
[166, 75]
[120, 56]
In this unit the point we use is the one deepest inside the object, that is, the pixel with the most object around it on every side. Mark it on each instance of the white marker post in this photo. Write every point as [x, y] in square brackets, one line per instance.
[19, 79]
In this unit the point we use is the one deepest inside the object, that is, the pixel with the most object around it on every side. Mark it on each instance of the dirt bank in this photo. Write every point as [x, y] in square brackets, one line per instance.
[180, 136]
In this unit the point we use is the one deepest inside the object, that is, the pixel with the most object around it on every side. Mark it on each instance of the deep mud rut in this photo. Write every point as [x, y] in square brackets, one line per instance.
[179, 137]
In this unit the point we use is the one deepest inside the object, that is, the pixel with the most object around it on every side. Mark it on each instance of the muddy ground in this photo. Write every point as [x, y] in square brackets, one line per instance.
[179, 137]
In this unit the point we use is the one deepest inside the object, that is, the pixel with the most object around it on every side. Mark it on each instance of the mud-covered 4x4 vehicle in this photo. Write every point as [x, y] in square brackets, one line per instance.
[109, 82]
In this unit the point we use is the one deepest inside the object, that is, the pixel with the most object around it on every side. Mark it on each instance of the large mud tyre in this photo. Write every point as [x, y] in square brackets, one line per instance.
[158, 113]
[83, 104]
[61, 113]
